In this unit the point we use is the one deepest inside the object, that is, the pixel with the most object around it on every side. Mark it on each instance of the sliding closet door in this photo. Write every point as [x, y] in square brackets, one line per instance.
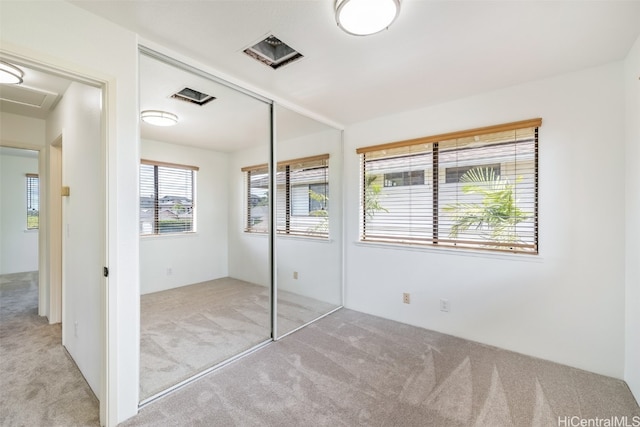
[308, 220]
[204, 235]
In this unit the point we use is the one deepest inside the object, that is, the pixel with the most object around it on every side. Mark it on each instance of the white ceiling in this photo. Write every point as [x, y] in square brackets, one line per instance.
[232, 121]
[36, 97]
[435, 51]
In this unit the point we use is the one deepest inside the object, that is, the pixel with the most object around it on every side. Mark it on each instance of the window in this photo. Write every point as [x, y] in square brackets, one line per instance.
[257, 185]
[395, 179]
[470, 189]
[453, 175]
[166, 198]
[33, 202]
[302, 197]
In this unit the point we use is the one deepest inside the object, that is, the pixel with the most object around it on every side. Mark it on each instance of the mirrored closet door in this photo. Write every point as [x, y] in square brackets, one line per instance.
[205, 280]
[308, 239]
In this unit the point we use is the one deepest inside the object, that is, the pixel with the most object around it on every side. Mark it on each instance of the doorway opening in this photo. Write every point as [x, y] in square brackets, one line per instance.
[52, 321]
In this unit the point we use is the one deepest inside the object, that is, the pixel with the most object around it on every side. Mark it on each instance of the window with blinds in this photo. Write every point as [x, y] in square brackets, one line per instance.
[166, 198]
[302, 197]
[257, 199]
[469, 189]
[33, 202]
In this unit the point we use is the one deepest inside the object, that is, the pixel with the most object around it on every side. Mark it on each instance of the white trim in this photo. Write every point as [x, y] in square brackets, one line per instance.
[54, 224]
[343, 240]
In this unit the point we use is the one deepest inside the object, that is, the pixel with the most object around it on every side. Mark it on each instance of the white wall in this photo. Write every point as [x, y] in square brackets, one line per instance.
[21, 131]
[77, 118]
[18, 246]
[566, 304]
[193, 257]
[632, 232]
[32, 30]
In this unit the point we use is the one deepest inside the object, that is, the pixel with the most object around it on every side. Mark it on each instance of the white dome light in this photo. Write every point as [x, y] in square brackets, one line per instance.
[365, 17]
[10, 74]
[159, 118]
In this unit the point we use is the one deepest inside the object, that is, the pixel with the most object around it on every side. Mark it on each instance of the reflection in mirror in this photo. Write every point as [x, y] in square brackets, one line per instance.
[205, 287]
[308, 219]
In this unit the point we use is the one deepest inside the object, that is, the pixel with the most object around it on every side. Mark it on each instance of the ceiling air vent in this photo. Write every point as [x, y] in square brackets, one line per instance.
[193, 96]
[25, 96]
[273, 52]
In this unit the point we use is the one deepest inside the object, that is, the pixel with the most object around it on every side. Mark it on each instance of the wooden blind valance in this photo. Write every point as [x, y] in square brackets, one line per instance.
[531, 123]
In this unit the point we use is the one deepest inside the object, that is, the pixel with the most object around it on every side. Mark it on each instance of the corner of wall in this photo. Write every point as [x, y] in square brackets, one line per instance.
[632, 211]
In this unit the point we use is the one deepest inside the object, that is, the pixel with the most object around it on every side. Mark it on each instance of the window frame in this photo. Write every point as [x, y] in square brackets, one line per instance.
[30, 177]
[429, 146]
[285, 214]
[156, 200]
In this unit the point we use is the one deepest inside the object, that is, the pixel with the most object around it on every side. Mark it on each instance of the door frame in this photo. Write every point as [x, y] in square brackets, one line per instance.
[107, 398]
[54, 250]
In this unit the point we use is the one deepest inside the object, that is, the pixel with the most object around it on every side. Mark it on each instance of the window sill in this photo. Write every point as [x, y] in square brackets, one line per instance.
[304, 238]
[474, 253]
[169, 235]
[31, 230]
[292, 237]
[256, 234]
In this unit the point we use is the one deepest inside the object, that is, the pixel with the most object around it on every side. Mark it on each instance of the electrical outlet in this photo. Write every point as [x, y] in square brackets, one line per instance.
[295, 275]
[444, 305]
[406, 298]
[169, 271]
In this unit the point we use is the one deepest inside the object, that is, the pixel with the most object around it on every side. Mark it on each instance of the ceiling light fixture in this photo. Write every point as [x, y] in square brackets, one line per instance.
[159, 118]
[10, 74]
[365, 17]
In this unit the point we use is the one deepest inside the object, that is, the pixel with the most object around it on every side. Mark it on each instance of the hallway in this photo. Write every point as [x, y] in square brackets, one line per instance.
[39, 383]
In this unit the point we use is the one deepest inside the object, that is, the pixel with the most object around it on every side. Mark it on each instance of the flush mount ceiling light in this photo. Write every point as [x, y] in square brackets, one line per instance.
[365, 17]
[10, 74]
[159, 118]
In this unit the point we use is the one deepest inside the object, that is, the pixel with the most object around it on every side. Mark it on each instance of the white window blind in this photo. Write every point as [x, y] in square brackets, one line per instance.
[166, 198]
[469, 189]
[33, 202]
[302, 197]
[257, 199]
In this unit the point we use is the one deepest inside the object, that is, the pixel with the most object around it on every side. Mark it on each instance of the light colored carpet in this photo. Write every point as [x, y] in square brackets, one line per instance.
[354, 369]
[186, 330]
[346, 369]
[39, 383]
